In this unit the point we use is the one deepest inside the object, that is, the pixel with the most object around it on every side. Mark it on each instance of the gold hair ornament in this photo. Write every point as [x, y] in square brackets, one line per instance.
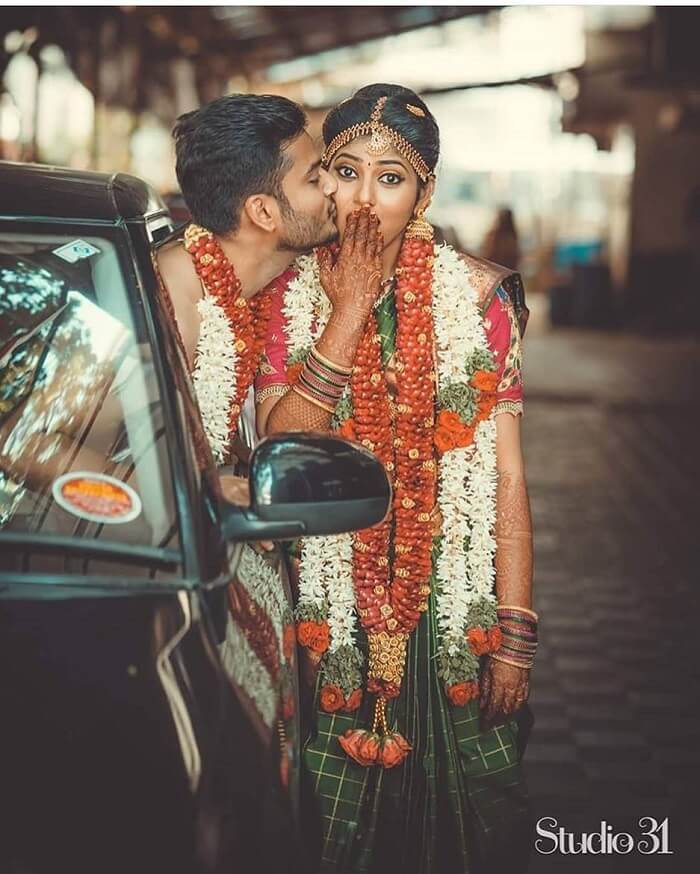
[382, 138]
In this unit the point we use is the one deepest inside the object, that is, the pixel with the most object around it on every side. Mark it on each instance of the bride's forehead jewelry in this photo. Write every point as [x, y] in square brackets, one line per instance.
[382, 138]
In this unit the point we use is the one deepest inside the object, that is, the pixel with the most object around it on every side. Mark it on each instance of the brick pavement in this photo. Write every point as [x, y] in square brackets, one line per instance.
[610, 436]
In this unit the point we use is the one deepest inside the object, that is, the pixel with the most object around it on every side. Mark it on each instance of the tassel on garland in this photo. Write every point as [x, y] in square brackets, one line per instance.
[378, 746]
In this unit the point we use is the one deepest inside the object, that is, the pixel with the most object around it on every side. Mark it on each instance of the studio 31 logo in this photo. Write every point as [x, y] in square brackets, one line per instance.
[652, 839]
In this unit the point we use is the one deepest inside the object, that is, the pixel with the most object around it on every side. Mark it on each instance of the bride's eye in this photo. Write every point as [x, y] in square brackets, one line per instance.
[391, 178]
[346, 172]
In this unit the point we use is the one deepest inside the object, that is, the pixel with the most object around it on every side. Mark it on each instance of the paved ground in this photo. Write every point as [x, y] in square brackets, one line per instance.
[611, 441]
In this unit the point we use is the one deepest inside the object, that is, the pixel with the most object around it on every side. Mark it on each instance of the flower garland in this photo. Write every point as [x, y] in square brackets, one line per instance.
[231, 340]
[437, 309]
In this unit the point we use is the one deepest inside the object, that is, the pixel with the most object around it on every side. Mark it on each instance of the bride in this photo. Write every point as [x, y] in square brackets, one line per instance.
[420, 630]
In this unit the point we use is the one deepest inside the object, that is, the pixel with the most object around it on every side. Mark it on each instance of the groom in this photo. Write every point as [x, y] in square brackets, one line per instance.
[251, 175]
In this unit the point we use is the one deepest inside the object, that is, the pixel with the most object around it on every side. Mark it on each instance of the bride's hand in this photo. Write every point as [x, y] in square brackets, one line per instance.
[353, 283]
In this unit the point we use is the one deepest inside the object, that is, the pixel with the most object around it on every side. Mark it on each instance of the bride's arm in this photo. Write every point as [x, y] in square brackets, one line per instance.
[352, 285]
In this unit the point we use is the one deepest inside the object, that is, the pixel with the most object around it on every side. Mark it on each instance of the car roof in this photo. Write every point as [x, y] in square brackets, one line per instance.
[38, 190]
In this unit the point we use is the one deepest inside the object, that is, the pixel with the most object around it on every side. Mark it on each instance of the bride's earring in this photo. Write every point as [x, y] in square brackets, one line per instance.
[418, 228]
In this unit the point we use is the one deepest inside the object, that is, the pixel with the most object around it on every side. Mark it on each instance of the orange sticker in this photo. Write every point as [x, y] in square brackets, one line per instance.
[97, 497]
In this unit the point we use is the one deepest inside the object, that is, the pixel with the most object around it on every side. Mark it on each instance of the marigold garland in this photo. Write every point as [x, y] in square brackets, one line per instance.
[437, 310]
[247, 321]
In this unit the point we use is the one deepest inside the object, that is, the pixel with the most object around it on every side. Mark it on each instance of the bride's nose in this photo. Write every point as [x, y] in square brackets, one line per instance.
[364, 193]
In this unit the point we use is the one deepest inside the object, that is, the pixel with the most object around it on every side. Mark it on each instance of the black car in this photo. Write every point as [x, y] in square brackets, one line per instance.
[148, 678]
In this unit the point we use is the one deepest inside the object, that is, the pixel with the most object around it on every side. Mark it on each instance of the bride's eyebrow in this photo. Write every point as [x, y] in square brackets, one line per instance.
[351, 157]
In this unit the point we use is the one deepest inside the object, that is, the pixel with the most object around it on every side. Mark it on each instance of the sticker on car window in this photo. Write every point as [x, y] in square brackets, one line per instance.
[76, 251]
[97, 497]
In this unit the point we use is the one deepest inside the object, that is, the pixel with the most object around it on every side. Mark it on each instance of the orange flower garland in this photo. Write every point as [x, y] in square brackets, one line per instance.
[248, 318]
[404, 443]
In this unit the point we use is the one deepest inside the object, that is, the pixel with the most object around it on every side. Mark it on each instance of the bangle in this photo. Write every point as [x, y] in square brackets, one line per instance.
[507, 661]
[315, 401]
[339, 368]
[322, 383]
[517, 609]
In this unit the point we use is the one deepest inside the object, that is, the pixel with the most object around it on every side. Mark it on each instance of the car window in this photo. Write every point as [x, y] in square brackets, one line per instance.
[83, 449]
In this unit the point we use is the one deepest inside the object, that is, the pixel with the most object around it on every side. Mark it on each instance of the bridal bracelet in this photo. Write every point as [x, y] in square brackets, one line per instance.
[519, 628]
[322, 382]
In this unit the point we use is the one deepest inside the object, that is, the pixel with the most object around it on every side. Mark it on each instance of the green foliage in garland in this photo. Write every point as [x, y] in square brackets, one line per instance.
[343, 668]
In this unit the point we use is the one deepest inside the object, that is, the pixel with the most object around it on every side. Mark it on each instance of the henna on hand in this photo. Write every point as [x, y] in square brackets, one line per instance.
[504, 690]
[294, 413]
[353, 282]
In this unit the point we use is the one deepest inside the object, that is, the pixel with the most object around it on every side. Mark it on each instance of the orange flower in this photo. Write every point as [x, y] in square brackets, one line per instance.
[478, 641]
[461, 693]
[360, 745]
[449, 419]
[347, 430]
[495, 638]
[331, 698]
[485, 380]
[320, 642]
[293, 371]
[488, 402]
[306, 632]
[464, 437]
[288, 641]
[314, 635]
[353, 701]
[444, 440]
[392, 752]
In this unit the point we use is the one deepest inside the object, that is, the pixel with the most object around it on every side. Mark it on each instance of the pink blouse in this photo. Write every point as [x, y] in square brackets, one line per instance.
[502, 334]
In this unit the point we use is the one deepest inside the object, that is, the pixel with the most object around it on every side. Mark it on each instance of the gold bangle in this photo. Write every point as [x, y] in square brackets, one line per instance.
[517, 607]
[507, 661]
[346, 371]
[313, 401]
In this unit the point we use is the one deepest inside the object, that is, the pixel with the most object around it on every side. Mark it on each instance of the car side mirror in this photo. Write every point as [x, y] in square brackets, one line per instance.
[309, 484]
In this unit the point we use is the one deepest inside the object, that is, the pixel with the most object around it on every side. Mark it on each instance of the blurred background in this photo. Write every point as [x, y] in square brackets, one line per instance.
[571, 150]
[583, 121]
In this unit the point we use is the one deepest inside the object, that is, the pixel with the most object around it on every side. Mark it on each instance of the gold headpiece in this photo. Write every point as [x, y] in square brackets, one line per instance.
[382, 138]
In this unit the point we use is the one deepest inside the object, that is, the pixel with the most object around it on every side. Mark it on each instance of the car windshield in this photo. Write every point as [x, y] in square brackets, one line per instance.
[83, 454]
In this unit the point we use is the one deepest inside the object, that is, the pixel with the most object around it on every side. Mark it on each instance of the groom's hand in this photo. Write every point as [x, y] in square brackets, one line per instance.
[353, 282]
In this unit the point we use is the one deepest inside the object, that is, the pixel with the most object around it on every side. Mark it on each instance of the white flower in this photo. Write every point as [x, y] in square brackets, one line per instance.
[214, 375]
[467, 477]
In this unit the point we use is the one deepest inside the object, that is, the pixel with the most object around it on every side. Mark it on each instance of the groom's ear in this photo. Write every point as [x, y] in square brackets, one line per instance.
[262, 212]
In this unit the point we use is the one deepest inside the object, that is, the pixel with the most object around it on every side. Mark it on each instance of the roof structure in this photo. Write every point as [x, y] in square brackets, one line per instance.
[235, 40]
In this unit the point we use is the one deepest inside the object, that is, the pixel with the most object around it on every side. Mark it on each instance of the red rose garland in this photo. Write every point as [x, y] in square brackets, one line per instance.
[248, 318]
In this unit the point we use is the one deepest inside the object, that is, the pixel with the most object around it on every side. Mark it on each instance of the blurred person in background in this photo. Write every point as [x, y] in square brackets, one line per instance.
[501, 244]
[419, 633]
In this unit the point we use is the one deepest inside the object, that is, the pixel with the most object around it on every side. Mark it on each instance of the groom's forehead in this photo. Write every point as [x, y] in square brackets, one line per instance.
[303, 154]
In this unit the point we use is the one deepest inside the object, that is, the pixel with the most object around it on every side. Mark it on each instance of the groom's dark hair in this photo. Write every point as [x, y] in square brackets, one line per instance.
[231, 148]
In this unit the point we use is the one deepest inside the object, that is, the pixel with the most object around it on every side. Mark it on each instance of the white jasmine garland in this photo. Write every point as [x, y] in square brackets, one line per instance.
[466, 476]
[214, 375]
[325, 581]
[481, 484]
[341, 592]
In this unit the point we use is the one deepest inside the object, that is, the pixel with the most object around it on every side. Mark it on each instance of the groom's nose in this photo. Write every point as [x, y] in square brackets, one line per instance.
[329, 184]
